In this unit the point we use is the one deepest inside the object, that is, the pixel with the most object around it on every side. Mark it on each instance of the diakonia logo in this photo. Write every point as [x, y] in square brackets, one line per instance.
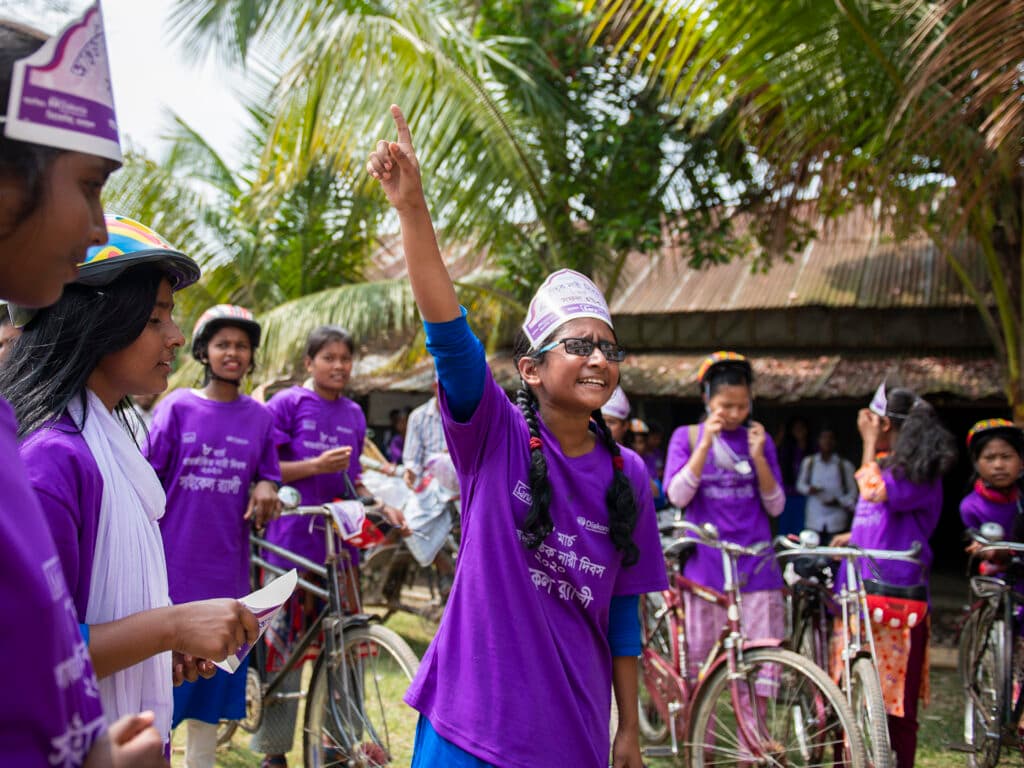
[522, 492]
[590, 525]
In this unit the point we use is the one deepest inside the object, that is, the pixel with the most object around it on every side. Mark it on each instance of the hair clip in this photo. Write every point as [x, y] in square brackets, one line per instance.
[536, 443]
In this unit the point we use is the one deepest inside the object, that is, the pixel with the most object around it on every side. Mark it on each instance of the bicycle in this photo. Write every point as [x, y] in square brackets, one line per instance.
[413, 574]
[354, 714]
[753, 702]
[992, 709]
[813, 603]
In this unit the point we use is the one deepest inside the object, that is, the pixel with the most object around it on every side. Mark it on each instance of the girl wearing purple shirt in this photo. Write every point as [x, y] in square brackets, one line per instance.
[209, 446]
[50, 212]
[997, 452]
[724, 471]
[322, 434]
[559, 534]
[906, 452]
[68, 378]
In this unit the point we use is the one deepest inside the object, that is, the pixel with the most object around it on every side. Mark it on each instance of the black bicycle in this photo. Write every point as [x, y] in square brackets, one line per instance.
[992, 708]
[354, 713]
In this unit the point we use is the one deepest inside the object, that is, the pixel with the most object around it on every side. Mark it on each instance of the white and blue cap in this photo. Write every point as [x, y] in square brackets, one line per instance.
[61, 94]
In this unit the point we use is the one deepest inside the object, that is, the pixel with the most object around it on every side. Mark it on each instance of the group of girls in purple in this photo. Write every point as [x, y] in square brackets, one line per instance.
[95, 642]
[122, 553]
[121, 559]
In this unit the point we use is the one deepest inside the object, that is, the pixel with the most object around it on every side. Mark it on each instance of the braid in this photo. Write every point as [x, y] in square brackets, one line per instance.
[622, 511]
[538, 523]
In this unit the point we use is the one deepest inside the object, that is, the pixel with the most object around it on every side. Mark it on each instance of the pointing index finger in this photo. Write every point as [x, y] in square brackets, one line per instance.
[404, 136]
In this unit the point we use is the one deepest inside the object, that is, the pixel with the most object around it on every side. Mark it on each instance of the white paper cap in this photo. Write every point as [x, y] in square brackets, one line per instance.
[565, 295]
[61, 95]
[617, 406]
[879, 402]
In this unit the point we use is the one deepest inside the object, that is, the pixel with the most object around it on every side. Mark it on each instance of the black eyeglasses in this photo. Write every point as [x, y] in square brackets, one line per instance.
[612, 352]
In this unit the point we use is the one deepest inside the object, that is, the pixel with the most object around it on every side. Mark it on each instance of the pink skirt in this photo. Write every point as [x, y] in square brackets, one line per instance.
[762, 616]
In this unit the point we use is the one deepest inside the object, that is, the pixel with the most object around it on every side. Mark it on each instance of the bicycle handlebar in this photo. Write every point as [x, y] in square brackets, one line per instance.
[990, 545]
[787, 548]
[708, 534]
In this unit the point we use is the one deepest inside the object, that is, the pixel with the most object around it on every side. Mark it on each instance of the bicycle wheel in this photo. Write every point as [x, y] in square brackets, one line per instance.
[869, 709]
[355, 715]
[984, 666]
[795, 715]
[657, 636]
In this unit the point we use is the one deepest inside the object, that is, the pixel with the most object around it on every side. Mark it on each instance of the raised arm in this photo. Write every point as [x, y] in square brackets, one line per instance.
[394, 164]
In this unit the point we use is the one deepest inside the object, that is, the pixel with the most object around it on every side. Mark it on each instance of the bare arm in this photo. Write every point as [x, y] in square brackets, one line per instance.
[394, 164]
[626, 747]
[207, 629]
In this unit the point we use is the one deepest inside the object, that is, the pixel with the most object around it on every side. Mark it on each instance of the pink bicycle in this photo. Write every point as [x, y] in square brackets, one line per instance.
[753, 703]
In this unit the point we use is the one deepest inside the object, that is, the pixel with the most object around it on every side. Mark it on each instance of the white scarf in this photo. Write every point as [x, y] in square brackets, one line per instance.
[129, 574]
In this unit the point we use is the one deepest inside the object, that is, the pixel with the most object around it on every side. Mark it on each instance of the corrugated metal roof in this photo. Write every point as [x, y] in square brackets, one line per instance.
[780, 377]
[854, 262]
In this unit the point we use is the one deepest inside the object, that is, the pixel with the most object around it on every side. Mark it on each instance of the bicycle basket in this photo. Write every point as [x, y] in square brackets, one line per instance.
[896, 605]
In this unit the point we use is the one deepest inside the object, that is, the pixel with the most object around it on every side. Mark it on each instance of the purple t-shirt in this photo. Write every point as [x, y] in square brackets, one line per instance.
[207, 454]
[312, 425]
[52, 713]
[68, 483]
[732, 502]
[975, 511]
[519, 673]
[910, 514]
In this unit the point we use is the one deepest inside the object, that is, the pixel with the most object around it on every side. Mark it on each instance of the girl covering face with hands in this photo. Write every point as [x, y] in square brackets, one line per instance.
[559, 529]
[725, 471]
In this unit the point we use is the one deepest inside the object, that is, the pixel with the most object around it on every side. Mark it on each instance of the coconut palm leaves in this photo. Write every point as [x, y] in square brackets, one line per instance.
[914, 103]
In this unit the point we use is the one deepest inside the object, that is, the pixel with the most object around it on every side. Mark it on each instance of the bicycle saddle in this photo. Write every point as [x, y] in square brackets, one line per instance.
[680, 550]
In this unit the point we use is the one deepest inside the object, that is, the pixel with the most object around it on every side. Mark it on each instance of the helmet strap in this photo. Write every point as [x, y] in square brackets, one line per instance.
[211, 376]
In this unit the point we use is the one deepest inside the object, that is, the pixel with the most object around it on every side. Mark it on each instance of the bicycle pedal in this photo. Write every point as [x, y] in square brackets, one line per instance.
[966, 749]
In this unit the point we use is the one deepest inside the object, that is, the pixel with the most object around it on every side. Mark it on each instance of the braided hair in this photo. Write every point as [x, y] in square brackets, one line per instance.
[621, 503]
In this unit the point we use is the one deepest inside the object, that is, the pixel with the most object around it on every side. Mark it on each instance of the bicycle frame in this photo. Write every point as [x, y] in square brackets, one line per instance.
[858, 638]
[1002, 600]
[331, 617]
[673, 693]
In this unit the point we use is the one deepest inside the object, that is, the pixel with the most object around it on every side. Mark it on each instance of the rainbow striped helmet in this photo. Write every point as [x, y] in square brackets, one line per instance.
[216, 318]
[129, 244]
[723, 357]
[987, 426]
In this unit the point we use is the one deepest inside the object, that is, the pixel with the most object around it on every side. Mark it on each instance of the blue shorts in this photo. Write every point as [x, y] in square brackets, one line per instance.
[431, 750]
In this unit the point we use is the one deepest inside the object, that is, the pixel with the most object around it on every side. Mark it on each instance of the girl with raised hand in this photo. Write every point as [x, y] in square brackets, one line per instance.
[69, 379]
[559, 534]
[996, 447]
[214, 450]
[50, 180]
[724, 471]
[906, 453]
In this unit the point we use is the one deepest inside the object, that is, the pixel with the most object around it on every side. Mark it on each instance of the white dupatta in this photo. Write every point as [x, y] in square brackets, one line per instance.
[129, 574]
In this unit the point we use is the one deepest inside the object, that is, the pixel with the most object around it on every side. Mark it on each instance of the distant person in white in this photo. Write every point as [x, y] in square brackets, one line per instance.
[827, 480]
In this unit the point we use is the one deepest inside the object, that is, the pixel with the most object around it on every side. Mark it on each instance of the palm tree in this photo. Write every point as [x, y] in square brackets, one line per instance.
[913, 103]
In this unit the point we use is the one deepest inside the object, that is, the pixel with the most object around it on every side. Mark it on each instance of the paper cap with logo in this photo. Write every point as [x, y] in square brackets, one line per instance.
[61, 95]
[617, 406]
[565, 295]
[880, 401]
